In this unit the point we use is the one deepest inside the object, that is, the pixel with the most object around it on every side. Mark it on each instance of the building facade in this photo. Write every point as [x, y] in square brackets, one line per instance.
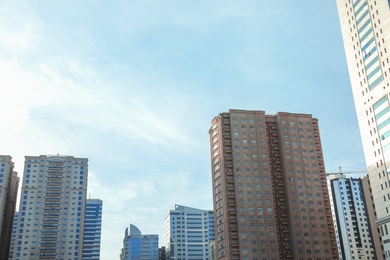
[52, 208]
[162, 253]
[9, 183]
[365, 26]
[14, 226]
[269, 187]
[351, 219]
[137, 246]
[212, 250]
[92, 229]
[368, 198]
[188, 233]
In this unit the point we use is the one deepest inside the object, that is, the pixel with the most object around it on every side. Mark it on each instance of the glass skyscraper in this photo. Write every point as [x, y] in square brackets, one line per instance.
[92, 229]
[365, 26]
[137, 246]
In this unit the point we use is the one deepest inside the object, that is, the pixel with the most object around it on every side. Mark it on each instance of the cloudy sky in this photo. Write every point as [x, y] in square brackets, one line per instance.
[134, 85]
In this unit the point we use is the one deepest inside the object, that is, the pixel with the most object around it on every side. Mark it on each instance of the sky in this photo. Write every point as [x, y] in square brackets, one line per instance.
[133, 87]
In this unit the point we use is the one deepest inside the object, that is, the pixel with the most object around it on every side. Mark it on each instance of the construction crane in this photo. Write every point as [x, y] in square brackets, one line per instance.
[341, 172]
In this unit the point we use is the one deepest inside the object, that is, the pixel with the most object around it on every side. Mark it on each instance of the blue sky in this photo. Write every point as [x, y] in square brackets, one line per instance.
[134, 85]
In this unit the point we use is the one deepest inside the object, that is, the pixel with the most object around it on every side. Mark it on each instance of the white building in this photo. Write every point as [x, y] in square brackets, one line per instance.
[365, 25]
[188, 232]
[350, 218]
[52, 208]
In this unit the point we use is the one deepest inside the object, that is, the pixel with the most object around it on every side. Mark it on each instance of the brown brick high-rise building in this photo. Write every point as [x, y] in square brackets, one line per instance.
[270, 193]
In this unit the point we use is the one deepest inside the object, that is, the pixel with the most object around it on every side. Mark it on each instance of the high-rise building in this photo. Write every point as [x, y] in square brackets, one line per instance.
[351, 219]
[213, 250]
[14, 226]
[92, 229]
[52, 208]
[365, 26]
[375, 236]
[188, 232]
[9, 182]
[269, 187]
[137, 246]
[162, 253]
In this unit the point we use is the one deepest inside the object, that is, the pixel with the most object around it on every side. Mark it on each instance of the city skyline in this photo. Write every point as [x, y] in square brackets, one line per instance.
[140, 83]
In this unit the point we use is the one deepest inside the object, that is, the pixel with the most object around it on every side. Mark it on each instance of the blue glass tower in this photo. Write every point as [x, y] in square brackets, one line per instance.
[92, 229]
[137, 246]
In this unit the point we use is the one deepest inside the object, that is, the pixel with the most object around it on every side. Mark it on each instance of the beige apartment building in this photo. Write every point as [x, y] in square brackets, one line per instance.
[269, 186]
[51, 212]
[365, 26]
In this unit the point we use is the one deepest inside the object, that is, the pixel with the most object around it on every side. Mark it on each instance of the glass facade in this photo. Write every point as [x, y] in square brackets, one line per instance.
[137, 246]
[365, 29]
[367, 43]
[382, 116]
[92, 229]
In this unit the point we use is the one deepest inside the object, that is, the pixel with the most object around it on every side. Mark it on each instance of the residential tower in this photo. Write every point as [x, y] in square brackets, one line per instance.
[269, 187]
[51, 213]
